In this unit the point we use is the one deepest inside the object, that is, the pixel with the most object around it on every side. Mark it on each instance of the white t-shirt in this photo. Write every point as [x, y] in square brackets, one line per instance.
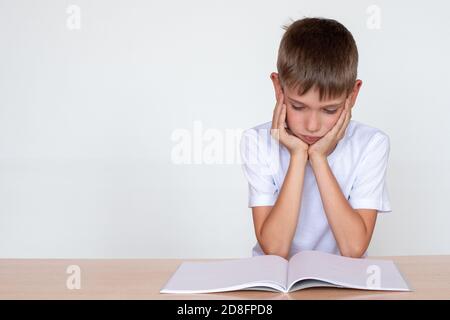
[359, 164]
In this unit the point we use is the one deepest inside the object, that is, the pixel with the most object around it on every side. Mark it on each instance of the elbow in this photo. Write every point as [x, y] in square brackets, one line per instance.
[271, 246]
[354, 251]
[282, 254]
[272, 250]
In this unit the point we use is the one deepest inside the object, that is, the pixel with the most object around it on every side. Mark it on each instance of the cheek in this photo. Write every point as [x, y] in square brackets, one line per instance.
[330, 122]
[293, 118]
[335, 118]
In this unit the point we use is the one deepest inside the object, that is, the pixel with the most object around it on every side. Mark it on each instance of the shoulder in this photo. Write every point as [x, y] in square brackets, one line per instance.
[361, 136]
[365, 146]
[259, 134]
[259, 129]
[258, 140]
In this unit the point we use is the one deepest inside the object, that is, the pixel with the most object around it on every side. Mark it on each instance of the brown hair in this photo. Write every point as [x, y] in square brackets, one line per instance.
[318, 53]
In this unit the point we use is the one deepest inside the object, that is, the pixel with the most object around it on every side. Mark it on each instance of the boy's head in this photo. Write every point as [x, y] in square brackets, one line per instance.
[317, 69]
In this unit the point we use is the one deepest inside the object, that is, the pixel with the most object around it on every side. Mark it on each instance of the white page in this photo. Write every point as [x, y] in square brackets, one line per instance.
[228, 275]
[343, 271]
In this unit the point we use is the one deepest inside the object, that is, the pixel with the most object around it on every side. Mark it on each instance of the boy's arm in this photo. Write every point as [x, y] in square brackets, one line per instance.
[275, 226]
[276, 229]
[352, 228]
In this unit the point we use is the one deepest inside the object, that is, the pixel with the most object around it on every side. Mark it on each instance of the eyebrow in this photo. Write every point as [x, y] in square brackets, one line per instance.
[327, 106]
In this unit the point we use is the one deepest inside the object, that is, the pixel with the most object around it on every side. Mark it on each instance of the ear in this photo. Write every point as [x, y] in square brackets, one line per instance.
[354, 94]
[276, 84]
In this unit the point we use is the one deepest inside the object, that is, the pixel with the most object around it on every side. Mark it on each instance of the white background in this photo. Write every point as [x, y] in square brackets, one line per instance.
[86, 119]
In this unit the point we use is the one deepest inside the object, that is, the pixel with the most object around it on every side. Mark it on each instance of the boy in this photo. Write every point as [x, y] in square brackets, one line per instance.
[316, 178]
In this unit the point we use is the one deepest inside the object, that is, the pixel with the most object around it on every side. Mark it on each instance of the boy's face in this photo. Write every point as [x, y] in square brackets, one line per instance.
[308, 117]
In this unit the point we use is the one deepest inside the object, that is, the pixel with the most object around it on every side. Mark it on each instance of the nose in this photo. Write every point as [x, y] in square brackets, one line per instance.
[313, 125]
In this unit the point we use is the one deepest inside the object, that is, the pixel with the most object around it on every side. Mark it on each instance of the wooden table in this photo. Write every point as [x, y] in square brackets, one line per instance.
[429, 276]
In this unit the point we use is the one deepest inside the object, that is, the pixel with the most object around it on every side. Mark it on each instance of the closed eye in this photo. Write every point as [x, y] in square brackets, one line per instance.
[328, 111]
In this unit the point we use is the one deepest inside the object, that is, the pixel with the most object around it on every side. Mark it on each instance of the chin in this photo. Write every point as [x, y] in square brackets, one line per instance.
[308, 143]
[300, 137]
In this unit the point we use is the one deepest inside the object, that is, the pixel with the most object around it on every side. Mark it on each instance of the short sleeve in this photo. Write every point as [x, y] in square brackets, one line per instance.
[369, 190]
[262, 190]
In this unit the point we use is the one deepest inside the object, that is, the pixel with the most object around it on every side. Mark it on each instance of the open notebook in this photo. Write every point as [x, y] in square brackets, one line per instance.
[273, 273]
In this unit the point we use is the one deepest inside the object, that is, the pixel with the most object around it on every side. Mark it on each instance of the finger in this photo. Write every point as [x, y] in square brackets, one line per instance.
[341, 132]
[274, 115]
[275, 131]
[276, 111]
[337, 127]
[282, 122]
[345, 112]
[289, 131]
[282, 118]
[348, 116]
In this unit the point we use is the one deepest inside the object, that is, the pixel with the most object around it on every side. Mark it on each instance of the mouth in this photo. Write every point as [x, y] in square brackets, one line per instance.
[309, 139]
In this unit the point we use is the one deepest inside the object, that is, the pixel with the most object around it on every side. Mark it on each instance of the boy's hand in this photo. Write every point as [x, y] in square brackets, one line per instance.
[282, 133]
[325, 145]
